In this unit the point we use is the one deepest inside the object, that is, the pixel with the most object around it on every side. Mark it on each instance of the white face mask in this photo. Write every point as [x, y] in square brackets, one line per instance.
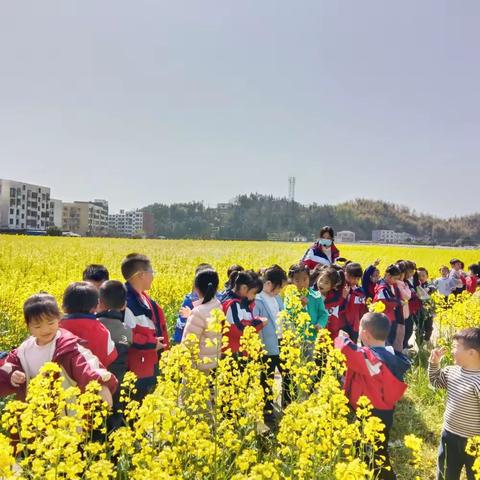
[326, 242]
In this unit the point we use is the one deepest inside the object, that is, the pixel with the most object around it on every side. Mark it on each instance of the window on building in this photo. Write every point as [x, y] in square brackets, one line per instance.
[11, 221]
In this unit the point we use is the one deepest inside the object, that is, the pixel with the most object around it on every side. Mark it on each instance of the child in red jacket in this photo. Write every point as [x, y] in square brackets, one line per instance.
[330, 284]
[238, 303]
[376, 372]
[80, 302]
[147, 321]
[355, 306]
[49, 343]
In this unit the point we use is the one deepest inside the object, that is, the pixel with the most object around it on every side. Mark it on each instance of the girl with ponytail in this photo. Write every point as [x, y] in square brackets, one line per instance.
[199, 319]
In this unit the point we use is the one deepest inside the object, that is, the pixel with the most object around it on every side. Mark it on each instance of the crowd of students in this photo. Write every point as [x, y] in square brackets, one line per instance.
[110, 327]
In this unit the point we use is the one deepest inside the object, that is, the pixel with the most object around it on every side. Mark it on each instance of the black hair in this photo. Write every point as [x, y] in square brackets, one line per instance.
[298, 268]
[327, 229]
[354, 270]
[275, 275]
[113, 294]
[237, 279]
[40, 305]
[232, 271]
[335, 275]
[377, 324]
[257, 282]
[475, 269]
[453, 261]
[393, 270]
[402, 266]
[206, 282]
[203, 266]
[133, 263]
[80, 297]
[422, 269]
[470, 338]
[96, 273]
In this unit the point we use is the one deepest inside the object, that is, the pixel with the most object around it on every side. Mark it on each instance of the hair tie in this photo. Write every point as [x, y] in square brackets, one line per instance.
[210, 284]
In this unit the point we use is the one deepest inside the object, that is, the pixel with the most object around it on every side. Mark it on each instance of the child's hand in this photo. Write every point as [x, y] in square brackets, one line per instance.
[160, 344]
[185, 312]
[376, 263]
[18, 378]
[264, 320]
[343, 334]
[346, 291]
[304, 301]
[436, 355]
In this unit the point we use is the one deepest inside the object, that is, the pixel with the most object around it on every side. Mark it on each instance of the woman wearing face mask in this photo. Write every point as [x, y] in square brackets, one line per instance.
[323, 251]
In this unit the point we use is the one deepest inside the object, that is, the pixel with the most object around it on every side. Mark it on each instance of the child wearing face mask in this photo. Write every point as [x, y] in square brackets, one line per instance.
[323, 251]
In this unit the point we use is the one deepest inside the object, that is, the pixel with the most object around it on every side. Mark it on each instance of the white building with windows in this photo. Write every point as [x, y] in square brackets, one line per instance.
[345, 236]
[24, 206]
[56, 213]
[390, 236]
[126, 223]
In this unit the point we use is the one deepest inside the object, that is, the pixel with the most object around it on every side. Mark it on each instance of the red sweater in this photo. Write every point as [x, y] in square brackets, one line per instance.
[335, 304]
[355, 308]
[471, 284]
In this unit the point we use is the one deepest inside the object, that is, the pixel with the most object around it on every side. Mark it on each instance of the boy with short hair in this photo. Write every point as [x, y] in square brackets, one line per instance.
[49, 343]
[445, 284]
[80, 302]
[111, 306]
[147, 321]
[95, 274]
[375, 371]
[462, 413]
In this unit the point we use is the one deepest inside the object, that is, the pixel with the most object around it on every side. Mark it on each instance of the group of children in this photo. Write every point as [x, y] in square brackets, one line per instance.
[110, 327]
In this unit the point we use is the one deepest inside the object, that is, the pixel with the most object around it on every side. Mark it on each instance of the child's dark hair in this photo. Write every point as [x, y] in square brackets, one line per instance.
[297, 269]
[355, 270]
[206, 282]
[275, 275]
[335, 275]
[203, 266]
[453, 261]
[232, 271]
[402, 266]
[475, 269]
[80, 297]
[113, 294]
[40, 305]
[470, 338]
[257, 282]
[377, 324]
[393, 270]
[327, 229]
[244, 277]
[423, 269]
[133, 263]
[96, 273]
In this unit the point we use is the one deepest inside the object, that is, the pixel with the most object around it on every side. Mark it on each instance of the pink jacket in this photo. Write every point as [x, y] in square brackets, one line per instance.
[78, 364]
[405, 294]
[197, 324]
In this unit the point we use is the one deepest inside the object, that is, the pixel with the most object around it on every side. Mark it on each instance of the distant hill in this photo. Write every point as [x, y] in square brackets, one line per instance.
[259, 217]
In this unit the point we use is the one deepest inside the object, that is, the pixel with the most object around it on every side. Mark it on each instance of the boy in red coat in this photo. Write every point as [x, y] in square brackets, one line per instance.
[355, 306]
[80, 302]
[147, 321]
[49, 343]
[376, 372]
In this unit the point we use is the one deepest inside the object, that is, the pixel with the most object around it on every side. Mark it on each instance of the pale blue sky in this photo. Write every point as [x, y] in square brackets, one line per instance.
[142, 101]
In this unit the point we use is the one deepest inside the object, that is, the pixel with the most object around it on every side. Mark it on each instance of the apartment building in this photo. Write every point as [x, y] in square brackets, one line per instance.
[24, 206]
[85, 218]
[126, 223]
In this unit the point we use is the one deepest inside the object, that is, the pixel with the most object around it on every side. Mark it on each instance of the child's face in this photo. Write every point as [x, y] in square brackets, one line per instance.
[457, 266]
[444, 272]
[464, 356]
[251, 294]
[143, 279]
[271, 289]
[301, 280]
[43, 329]
[242, 291]
[97, 284]
[352, 281]
[422, 276]
[324, 285]
[375, 276]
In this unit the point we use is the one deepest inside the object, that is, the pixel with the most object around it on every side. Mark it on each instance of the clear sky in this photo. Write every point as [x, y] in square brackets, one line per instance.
[143, 101]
